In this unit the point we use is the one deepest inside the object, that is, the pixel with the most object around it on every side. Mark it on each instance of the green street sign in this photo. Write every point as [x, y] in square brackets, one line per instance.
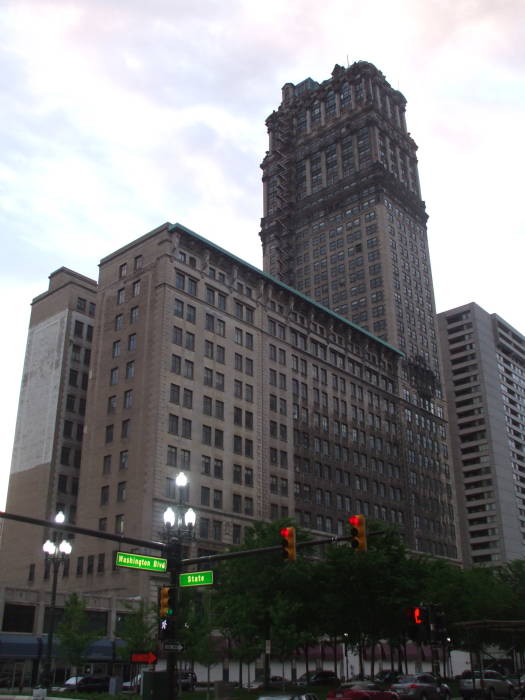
[140, 561]
[196, 578]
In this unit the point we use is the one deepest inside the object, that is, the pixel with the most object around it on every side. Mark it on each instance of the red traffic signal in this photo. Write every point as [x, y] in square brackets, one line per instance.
[419, 628]
[288, 543]
[417, 617]
[358, 532]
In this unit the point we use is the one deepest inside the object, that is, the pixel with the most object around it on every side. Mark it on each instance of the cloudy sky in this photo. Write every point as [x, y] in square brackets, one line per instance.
[118, 115]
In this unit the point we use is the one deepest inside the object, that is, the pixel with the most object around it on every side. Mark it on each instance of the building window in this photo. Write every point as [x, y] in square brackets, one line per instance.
[206, 465]
[132, 342]
[185, 459]
[204, 528]
[100, 563]
[217, 530]
[206, 435]
[236, 503]
[121, 491]
[173, 424]
[187, 398]
[171, 457]
[175, 394]
[170, 487]
[104, 495]
[123, 459]
[119, 524]
[237, 474]
[176, 364]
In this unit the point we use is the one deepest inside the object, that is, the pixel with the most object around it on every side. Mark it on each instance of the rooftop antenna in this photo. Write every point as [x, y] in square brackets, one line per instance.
[347, 62]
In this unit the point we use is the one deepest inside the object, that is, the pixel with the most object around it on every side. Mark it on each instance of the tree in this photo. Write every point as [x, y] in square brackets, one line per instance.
[74, 632]
[138, 629]
[196, 634]
[261, 597]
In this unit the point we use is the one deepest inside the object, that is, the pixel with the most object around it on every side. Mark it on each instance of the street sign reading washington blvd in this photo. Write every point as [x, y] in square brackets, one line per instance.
[196, 578]
[139, 561]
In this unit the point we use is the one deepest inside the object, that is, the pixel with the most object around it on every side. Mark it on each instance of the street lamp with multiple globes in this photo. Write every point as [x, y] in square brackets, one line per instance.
[56, 553]
[179, 523]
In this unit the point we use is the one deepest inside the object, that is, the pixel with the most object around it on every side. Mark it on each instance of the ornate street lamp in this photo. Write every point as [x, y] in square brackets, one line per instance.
[56, 553]
[179, 523]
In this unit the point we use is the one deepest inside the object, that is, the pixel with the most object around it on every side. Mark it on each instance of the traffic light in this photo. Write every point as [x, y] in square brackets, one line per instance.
[358, 532]
[419, 623]
[167, 603]
[164, 601]
[288, 543]
[418, 616]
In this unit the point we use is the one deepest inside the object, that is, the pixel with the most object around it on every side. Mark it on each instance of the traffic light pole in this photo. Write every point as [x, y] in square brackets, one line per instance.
[161, 546]
[173, 555]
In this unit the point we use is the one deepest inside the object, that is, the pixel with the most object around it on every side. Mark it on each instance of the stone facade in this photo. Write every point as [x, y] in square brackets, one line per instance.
[345, 224]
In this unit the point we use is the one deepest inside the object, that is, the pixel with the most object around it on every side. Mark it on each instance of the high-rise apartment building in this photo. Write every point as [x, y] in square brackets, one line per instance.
[345, 224]
[484, 372]
[49, 430]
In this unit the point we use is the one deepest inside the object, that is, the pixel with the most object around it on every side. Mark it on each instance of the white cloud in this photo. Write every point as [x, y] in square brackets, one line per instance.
[118, 116]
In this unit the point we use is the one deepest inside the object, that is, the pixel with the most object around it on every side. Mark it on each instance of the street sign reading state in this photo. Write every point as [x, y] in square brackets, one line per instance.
[196, 578]
[139, 561]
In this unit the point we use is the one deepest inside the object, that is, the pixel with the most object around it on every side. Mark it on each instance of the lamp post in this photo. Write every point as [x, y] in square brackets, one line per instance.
[178, 525]
[56, 553]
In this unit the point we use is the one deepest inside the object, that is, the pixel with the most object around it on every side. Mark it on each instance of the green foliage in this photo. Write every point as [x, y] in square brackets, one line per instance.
[73, 631]
[361, 597]
[138, 629]
[262, 597]
[197, 628]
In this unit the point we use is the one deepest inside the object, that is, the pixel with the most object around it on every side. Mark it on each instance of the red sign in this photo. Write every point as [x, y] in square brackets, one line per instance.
[147, 657]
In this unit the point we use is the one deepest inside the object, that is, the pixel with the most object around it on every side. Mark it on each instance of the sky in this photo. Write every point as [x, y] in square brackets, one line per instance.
[119, 115]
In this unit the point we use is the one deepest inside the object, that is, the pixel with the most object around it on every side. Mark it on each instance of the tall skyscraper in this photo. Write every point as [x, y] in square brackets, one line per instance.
[484, 371]
[345, 224]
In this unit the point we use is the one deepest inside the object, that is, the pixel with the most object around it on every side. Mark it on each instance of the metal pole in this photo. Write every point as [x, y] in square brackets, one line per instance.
[174, 557]
[55, 561]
